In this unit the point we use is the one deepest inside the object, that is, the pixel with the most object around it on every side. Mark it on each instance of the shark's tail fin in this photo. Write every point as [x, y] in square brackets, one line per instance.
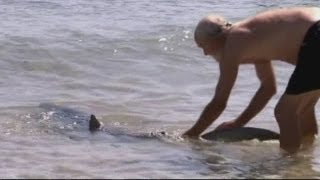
[94, 124]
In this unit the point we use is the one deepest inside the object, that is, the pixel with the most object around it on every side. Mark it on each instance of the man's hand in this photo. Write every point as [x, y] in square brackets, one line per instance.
[227, 125]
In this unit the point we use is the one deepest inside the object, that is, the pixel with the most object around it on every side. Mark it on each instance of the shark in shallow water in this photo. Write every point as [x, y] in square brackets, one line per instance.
[232, 135]
[79, 120]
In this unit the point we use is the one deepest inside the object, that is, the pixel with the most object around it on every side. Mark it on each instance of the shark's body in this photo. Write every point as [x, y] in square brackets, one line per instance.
[232, 135]
[80, 121]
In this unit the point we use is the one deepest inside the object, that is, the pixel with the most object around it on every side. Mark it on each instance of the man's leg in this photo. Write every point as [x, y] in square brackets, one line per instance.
[308, 118]
[308, 122]
[296, 119]
[289, 125]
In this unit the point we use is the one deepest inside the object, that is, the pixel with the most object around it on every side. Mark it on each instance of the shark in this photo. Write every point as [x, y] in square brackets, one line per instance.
[229, 135]
[82, 121]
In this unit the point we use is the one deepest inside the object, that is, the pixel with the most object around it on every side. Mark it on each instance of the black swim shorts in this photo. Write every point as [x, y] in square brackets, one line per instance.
[306, 76]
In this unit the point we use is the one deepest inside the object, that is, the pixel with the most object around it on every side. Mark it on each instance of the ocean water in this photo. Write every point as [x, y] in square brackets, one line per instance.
[134, 64]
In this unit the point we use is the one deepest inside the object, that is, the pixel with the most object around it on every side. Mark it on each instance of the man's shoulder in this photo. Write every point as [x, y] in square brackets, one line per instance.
[237, 40]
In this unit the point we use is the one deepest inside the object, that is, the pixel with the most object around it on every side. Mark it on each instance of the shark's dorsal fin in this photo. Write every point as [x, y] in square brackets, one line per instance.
[94, 124]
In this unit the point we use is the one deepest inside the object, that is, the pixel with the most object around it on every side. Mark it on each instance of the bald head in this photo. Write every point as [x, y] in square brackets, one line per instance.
[209, 26]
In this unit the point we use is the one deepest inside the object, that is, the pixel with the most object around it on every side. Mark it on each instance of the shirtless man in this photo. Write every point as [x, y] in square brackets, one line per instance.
[291, 35]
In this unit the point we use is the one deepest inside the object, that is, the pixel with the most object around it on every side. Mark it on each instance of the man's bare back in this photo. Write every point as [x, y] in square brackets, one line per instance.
[272, 35]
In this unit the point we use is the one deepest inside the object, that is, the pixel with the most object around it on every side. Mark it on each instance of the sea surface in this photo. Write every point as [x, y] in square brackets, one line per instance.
[135, 65]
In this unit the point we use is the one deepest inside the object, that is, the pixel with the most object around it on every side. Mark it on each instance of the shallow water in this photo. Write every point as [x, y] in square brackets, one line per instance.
[134, 65]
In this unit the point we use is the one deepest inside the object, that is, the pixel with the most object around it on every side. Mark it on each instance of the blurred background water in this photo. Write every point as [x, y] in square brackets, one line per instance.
[135, 65]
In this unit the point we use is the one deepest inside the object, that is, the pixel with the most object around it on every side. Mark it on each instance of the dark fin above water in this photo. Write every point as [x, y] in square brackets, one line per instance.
[94, 124]
[241, 134]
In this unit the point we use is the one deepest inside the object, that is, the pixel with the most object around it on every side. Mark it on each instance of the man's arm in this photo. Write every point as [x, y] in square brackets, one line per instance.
[261, 98]
[228, 75]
